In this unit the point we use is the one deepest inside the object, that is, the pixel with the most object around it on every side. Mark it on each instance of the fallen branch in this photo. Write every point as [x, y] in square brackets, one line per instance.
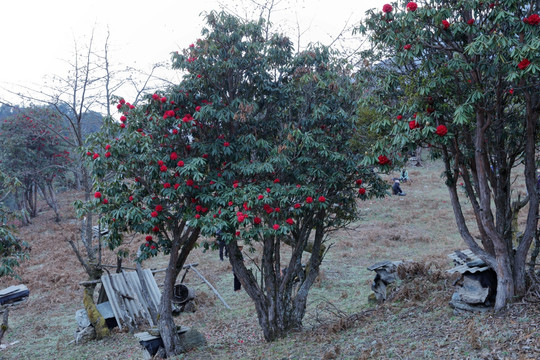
[211, 287]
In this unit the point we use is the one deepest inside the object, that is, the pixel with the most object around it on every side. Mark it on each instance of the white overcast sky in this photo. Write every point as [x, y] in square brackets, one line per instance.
[37, 37]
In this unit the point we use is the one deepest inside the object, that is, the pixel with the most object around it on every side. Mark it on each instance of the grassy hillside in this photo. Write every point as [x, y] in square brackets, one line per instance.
[416, 323]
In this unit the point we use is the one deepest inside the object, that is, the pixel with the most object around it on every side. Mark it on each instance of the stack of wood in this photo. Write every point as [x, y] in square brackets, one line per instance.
[385, 275]
[476, 287]
[14, 294]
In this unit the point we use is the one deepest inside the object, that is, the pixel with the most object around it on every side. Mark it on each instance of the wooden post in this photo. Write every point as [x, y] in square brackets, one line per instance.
[211, 287]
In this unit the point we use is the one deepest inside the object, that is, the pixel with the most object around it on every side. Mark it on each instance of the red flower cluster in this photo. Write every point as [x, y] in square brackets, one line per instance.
[470, 21]
[309, 199]
[107, 147]
[399, 117]
[166, 185]
[387, 8]
[180, 163]
[257, 220]
[154, 214]
[275, 227]
[411, 6]
[168, 113]
[289, 221]
[107, 154]
[362, 191]
[226, 144]
[359, 182]
[149, 238]
[384, 160]
[96, 155]
[441, 130]
[413, 124]
[159, 208]
[534, 19]
[97, 195]
[523, 64]
[163, 168]
[445, 24]
[407, 47]
[174, 156]
[322, 199]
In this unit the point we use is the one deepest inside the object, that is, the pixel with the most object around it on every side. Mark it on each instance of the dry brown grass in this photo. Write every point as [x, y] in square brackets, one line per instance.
[339, 323]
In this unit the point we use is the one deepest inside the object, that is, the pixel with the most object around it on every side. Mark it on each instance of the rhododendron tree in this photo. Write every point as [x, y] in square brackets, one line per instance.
[472, 78]
[32, 150]
[257, 148]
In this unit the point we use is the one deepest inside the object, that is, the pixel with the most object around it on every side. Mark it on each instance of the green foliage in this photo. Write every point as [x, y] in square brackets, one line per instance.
[255, 128]
[12, 250]
[32, 147]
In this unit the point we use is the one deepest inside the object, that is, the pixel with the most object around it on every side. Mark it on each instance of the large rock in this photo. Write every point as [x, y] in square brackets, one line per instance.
[82, 319]
[472, 291]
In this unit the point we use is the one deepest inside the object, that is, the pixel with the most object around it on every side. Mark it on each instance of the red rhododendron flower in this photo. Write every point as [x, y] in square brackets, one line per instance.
[297, 206]
[123, 118]
[413, 125]
[470, 21]
[197, 216]
[309, 199]
[153, 247]
[399, 117]
[149, 238]
[174, 156]
[97, 194]
[155, 229]
[441, 130]
[534, 19]
[89, 153]
[164, 99]
[166, 185]
[275, 227]
[155, 97]
[226, 144]
[189, 182]
[387, 8]
[107, 154]
[197, 108]
[322, 199]
[176, 186]
[230, 203]
[411, 6]
[511, 91]
[276, 181]
[407, 47]
[383, 160]
[159, 208]
[107, 147]
[180, 163]
[268, 190]
[130, 198]
[359, 182]
[277, 209]
[445, 24]
[523, 64]
[154, 214]
[362, 191]
[160, 162]
[260, 197]
[163, 168]
[119, 106]
[289, 221]
[175, 131]
[123, 126]
[96, 155]
[241, 217]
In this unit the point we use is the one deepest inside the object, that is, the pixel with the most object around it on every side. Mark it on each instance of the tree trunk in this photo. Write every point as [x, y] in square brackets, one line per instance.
[279, 308]
[166, 325]
[505, 281]
[47, 192]
[96, 319]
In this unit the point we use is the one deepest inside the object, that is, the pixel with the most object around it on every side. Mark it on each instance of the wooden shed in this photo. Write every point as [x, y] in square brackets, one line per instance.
[124, 292]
